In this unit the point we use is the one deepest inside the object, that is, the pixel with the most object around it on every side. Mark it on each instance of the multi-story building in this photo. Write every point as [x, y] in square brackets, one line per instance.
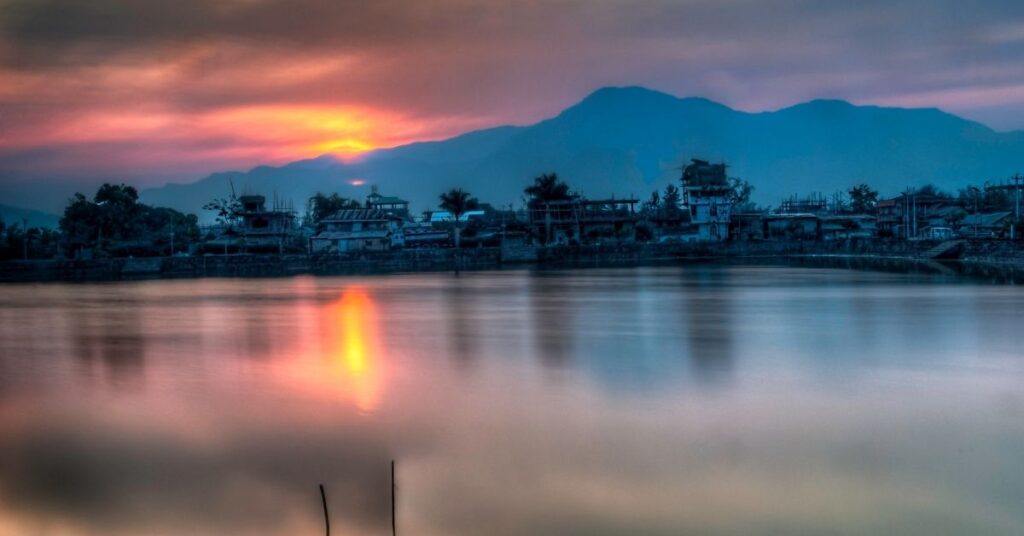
[708, 196]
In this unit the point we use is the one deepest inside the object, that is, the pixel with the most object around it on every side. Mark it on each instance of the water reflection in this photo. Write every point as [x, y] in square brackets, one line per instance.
[110, 342]
[707, 300]
[843, 402]
[552, 318]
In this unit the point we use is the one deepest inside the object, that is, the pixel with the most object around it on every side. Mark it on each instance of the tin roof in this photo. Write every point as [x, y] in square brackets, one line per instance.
[359, 214]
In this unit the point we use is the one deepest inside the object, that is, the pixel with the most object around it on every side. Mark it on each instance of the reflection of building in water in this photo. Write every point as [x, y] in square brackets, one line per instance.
[709, 323]
[552, 319]
[464, 328]
[113, 341]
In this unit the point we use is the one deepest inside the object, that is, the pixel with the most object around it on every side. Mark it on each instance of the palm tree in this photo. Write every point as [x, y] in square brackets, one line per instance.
[547, 187]
[457, 202]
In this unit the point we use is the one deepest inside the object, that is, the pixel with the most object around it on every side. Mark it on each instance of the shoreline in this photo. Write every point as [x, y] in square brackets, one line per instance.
[974, 258]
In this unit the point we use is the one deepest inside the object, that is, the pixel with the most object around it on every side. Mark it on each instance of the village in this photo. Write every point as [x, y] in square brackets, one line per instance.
[707, 207]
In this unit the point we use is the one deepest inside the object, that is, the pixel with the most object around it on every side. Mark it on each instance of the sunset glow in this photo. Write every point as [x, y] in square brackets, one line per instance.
[352, 351]
[87, 94]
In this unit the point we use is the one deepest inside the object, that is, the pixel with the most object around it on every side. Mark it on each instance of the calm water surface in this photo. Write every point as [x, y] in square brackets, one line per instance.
[683, 400]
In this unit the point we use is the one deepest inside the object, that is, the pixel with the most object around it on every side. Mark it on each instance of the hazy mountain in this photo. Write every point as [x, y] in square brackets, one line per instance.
[22, 216]
[628, 141]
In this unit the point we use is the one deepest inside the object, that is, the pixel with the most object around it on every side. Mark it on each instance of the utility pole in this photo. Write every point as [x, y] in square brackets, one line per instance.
[24, 241]
[1017, 183]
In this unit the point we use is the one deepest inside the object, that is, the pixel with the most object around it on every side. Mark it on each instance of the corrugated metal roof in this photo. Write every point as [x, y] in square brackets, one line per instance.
[354, 235]
[358, 214]
[987, 219]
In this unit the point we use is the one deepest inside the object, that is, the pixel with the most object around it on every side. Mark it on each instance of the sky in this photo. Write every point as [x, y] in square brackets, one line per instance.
[156, 91]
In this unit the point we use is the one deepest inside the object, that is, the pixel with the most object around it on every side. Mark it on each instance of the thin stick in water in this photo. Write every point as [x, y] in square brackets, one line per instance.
[394, 526]
[327, 518]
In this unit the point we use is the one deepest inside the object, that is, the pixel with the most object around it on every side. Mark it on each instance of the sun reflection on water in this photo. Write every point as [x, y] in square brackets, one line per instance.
[353, 351]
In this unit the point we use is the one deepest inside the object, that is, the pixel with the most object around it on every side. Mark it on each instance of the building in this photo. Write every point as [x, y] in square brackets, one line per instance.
[579, 220]
[811, 204]
[359, 229]
[259, 228]
[847, 227]
[910, 215]
[792, 226]
[747, 226]
[986, 225]
[392, 205]
[708, 196]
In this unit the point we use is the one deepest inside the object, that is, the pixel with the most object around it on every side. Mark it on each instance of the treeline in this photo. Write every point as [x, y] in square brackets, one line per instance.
[111, 223]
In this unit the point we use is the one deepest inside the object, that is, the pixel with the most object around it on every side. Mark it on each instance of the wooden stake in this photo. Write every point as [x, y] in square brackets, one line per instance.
[394, 526]
[327, 518]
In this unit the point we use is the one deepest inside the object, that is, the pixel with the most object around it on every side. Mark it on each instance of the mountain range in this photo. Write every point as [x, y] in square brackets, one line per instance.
[631, 140]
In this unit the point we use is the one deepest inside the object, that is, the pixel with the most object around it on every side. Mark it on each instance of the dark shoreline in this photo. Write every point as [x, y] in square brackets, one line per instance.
[997, 261]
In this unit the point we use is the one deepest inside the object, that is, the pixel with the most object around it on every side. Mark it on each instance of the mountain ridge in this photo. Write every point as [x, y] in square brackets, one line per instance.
[630, 140]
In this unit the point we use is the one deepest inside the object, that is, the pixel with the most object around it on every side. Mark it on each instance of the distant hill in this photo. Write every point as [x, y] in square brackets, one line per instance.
[628, 141]
[34, 218]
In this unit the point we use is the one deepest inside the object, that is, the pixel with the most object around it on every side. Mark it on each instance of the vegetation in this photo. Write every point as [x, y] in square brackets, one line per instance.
[741, 190]
[651, 206]
[671, 200]
[457, 202]
[115, 223]
[322, 205]
[18, 242]
[862, 199]
[546, 188]
[227, 209]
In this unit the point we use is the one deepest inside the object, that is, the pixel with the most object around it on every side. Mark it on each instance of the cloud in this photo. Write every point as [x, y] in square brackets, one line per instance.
[382, 73]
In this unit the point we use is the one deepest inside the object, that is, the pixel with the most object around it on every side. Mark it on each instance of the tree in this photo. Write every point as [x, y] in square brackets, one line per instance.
[863, 199]
[545, 188]
[651, 206]
[227, 209]
[670, 200]
[321, 206]
[740, 191]
[457, 202]
[115, 215]
[81, 224]
[931, 190]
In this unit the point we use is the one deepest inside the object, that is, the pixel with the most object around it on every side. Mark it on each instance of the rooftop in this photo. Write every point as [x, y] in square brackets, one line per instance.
[359, 214]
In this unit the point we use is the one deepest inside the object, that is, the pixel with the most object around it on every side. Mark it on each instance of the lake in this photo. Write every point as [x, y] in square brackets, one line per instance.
[700, 399]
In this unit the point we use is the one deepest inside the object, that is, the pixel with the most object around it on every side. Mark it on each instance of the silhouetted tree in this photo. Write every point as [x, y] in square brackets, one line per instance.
[457, 202]
[741, 190]
[545, 188]
[862, 199]
[651, 206]
[227, 209]
[114, 214]
[670, 200]
[321, 205]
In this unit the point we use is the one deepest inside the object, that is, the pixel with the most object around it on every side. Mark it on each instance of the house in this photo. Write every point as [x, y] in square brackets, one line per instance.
[392, 205]
[909, 215]
[792, 226]
[985, 225]
[746, 226]
[426, 236]
[579, 219]
[847, 227]
[359, 229]
[259, 228]
[708, 196]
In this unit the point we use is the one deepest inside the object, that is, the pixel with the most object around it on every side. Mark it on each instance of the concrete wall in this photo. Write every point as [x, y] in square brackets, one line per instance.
[421, 260]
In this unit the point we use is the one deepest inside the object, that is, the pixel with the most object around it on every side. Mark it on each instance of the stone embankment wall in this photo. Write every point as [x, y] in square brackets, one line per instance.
[440, 260]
